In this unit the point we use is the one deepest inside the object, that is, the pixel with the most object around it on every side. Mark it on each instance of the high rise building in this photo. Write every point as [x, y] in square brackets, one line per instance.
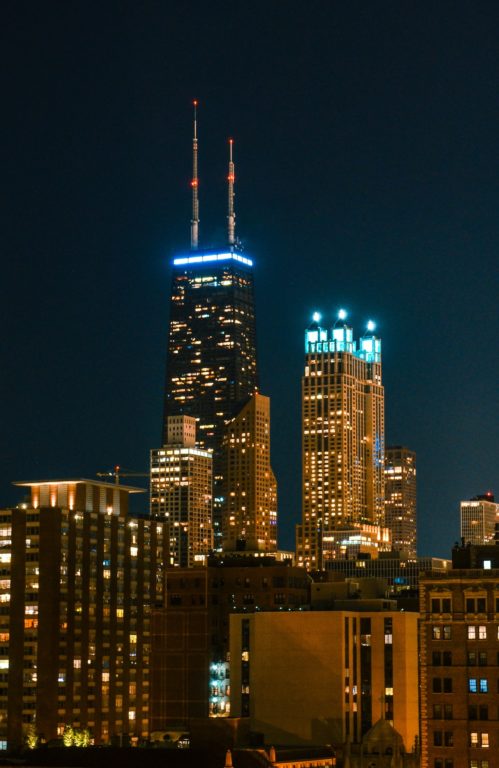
[211, 368]
[181, 492]
[79, 579]
[458, 640]
[479, 518]
[343, 444]
[400, 498]
[250, 511]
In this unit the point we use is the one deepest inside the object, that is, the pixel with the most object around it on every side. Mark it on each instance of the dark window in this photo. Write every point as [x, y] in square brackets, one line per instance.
[449, 738]
[248, 599]
[436, 658]
[279, 598]
[447, 687]
[437, 711]
[175, 600]
[472, 658]
[437, 738]
[482, 658]
[483, 712]
[365, 626]
[472, 712]
[448, 711]
[481, 604]
[447, 658]
[437, 685]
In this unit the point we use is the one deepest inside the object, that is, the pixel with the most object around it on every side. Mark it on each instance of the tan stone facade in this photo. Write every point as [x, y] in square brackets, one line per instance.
[250, 511]
[322, 677]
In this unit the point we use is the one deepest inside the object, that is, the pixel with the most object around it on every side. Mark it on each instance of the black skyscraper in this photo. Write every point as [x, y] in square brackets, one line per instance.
[211, 364]
[211, 368]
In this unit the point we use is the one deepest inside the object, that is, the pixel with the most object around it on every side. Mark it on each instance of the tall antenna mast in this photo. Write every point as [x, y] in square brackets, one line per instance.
[231, 218]
[194, 185]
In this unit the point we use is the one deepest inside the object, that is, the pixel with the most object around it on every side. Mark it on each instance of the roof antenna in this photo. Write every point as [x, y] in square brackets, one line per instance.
[231, 218]
[194, 185]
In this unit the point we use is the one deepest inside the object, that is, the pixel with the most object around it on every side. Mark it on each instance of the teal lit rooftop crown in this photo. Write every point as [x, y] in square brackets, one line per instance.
[339, 338]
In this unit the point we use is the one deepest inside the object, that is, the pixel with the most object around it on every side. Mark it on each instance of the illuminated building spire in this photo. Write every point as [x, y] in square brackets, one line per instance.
[194, 185]
[231, 218]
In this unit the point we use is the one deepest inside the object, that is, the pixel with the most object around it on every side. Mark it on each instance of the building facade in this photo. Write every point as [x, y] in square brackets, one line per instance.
[479, 519]
[79, 579]
[182, 492]
[459, 642]
[325, 677]
[401, 571]
[400, 498]
[191, 674]
[342, 442]
[250, 510]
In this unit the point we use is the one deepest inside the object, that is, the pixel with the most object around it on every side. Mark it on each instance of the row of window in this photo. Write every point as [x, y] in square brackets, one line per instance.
[475, 685]
[473, 658]
[475, 712]
[446, 739]
[474, 632]
[471, 604]
[448, 762]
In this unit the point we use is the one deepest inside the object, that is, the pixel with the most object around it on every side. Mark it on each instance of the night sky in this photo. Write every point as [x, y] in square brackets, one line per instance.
[366, 149]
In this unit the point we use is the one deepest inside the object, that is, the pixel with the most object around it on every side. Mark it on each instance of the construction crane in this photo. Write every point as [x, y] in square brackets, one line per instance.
[118, 472]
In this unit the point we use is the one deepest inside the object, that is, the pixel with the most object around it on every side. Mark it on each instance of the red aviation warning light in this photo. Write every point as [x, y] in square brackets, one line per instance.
[195, 183]
[231, 216]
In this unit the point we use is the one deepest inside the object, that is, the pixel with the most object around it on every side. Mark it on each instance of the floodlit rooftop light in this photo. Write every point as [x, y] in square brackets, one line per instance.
[342, 314]
[316, 317]
[371, 326]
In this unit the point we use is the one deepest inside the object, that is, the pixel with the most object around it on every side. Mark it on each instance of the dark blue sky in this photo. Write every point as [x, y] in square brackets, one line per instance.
[367, 177]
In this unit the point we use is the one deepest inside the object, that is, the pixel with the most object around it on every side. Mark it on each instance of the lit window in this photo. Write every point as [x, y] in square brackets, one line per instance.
[482, 632]
[484, 741]
[472, 685]
[484, 686]
[471, 632]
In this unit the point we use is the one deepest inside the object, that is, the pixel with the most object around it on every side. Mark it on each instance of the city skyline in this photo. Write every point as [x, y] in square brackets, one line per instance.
[364, 180]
